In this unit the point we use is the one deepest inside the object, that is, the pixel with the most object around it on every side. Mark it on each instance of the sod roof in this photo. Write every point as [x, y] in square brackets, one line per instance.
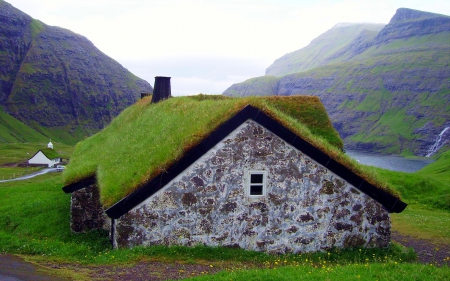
[50, 153]
[146, 139]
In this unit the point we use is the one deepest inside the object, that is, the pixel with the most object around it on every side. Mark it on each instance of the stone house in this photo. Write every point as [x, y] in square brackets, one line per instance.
[252, 183]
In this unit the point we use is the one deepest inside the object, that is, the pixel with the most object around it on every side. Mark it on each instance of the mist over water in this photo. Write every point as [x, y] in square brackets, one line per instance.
[389, 162]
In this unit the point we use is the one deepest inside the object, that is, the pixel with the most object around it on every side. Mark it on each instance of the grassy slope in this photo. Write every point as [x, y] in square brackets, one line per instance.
[119, 154]
[429, 186]
[440, 169]
[13, 130]
[428, 194]
[20, 152]
[421, 221]
[70, 134]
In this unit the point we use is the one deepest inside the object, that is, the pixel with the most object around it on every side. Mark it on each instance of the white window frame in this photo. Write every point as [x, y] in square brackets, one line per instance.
[250, 184]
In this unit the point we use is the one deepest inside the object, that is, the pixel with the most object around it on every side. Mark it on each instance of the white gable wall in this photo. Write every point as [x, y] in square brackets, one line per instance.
[41, 159]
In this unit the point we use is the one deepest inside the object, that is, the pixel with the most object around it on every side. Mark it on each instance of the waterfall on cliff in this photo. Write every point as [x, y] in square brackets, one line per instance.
[438, 143]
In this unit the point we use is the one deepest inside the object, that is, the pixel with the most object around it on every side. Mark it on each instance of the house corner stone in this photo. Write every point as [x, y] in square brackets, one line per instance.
[87, 212]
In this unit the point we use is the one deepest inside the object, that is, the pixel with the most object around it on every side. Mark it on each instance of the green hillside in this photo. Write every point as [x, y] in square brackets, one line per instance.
[13, 130]
[387, 93]
[439, 170]
[428, 187]
[56, 81]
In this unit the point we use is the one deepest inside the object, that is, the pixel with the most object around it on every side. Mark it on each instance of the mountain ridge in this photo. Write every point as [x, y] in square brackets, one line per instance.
[384, 92]
[56, 81]
[321, 50]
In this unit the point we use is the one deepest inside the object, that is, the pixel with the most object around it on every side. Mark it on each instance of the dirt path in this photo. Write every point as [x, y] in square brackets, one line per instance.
[142, 271]
[427, 252]
[19, 270]
[13, 268]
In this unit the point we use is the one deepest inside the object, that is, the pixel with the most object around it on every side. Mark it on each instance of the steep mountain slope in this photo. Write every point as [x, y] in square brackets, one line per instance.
[14, 131]
[389, 94]
[328, 47]
[58, 82]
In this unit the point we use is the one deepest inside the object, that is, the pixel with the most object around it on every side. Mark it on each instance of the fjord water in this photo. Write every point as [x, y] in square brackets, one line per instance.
[389, 162]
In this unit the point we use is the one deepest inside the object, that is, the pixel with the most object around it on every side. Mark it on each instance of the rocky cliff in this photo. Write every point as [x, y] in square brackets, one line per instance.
[57, 81]
[387, 91]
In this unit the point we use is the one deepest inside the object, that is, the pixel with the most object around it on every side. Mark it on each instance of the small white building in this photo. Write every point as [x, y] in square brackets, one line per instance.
[46, 156]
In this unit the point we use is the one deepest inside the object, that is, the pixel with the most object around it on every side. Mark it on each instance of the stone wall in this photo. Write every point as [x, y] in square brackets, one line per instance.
[86, 210]
[306, 208]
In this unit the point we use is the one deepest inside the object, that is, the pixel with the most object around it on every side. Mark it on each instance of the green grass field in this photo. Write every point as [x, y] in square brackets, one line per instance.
[13, 153]
[34, 222]
[21, 152]
[8, 173]
[364, 271]
[421, 222]
[429, 187]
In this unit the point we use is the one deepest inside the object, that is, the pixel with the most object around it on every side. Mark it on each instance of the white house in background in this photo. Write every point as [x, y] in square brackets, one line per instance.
[46, 156]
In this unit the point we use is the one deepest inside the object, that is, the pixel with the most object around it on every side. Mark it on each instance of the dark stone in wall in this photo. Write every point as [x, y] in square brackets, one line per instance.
[306, 218]
[327, 187]
[189, 199]
[86, 210]
[197, 181]
[354, 241]
[229, 207]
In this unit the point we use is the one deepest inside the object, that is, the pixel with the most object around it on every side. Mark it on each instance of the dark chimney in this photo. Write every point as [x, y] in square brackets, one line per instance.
[161, 91]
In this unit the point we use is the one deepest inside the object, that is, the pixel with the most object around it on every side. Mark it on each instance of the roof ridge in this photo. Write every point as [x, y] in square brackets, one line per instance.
[391, 203]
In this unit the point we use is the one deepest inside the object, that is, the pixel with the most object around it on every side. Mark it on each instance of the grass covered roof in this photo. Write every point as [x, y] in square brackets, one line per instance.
[146, 139]
[50, 153]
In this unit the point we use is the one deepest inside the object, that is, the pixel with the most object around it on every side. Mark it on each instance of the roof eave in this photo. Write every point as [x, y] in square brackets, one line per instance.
[79, 184]
[391, 203]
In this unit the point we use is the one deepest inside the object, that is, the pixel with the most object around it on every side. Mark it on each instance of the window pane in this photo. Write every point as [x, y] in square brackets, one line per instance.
[256, 178]
[256, 190]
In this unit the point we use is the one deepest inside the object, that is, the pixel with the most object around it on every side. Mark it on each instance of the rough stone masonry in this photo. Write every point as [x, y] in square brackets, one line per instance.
[306, 208]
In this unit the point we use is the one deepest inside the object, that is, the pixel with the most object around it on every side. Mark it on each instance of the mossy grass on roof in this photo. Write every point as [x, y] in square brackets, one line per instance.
[146, 138]
[50, 153]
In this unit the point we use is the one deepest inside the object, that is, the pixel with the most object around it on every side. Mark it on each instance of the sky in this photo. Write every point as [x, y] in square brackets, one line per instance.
[206, 46]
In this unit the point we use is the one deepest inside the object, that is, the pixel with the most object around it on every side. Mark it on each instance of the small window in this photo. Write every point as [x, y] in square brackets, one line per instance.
[257, 183]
